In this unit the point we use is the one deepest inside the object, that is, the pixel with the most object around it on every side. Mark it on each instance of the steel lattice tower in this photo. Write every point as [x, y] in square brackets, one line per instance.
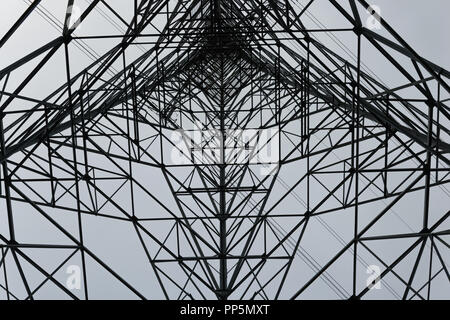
[221, 149]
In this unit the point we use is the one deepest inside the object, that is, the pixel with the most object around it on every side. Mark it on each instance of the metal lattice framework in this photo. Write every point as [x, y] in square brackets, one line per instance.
[90, 120]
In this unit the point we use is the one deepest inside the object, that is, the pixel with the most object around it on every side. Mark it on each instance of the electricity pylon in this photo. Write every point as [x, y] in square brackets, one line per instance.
[211, 149]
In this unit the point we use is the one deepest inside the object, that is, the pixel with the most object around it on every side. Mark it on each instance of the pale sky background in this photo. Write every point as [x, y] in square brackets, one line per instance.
[425, 25]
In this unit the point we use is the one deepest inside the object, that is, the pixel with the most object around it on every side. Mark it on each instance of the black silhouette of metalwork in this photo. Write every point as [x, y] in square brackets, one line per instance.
[352, 154]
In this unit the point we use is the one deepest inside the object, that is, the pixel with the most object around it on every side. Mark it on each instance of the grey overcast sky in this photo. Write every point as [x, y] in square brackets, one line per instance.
[423, 23]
